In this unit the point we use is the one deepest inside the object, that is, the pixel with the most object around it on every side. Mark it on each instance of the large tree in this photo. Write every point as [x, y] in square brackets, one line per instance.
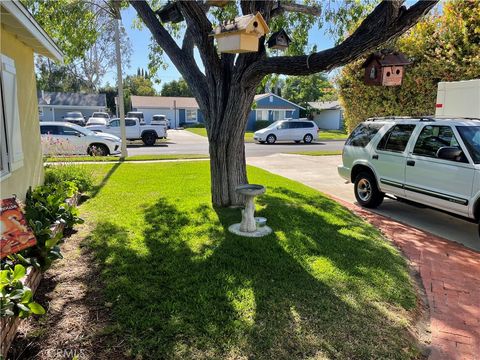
[176, 88]
[303, 89]
[225, 88]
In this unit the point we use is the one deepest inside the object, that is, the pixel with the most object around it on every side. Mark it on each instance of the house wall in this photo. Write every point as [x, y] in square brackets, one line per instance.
[329, 119]
[272, 103]
[169, 113]
[53, 113]
[31, 173]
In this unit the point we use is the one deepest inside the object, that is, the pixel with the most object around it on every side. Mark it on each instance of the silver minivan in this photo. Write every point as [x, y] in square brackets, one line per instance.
[288, 130]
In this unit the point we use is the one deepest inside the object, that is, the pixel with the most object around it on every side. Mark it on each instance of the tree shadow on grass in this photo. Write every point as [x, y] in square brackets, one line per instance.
[190, 289]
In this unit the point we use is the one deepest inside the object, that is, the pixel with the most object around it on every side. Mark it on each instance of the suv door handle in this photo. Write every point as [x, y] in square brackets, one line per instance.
[410, 163]
[375, 157]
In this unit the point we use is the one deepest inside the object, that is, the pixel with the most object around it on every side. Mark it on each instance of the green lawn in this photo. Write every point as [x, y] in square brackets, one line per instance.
[318, 153]
[203, 132]
[332, 134]
[129, 158]
[323, 285]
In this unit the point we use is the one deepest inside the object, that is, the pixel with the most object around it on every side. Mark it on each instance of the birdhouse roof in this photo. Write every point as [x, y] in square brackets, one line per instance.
[276, 34]
[387, 59]
[243, 23]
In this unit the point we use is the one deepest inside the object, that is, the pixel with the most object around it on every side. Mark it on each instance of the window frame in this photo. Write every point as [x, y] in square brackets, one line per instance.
[261, 118]
[389, 133]
[4, 146]
[189, 120]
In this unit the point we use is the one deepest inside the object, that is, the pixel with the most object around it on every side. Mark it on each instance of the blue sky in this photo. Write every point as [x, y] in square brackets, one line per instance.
[140, 40]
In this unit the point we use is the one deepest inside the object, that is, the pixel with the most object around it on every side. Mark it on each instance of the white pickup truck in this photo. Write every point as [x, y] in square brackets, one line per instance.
[134, 130]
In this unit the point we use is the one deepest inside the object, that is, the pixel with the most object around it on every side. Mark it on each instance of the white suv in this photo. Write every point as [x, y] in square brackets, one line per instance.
[431, 161]
[288, 130]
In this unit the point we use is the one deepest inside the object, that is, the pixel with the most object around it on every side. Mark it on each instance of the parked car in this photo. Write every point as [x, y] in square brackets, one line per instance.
[288, 130]
[74, 117]
[160, 120]
[431, 161]
[99, 118]
[136, 114]
[134, 130]
[63, 138]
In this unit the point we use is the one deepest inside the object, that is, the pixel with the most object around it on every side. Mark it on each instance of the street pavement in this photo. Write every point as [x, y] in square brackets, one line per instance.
[320, 172]
[185, 142]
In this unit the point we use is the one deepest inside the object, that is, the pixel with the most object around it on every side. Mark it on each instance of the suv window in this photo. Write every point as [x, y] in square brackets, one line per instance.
[396, 139]
[363, 134]
[306, 124]
[67, 131]
[49, 130]
[433, 138]
[471, 137]
[129, 122]
[285, 125]
[115, 123]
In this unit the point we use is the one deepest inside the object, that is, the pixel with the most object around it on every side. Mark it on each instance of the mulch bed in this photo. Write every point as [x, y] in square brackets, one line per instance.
[77, 323]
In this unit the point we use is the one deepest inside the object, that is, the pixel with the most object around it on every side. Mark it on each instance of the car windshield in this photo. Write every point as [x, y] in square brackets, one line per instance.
[74, 115]
[82, 130]
[471, 137]
[100, 115]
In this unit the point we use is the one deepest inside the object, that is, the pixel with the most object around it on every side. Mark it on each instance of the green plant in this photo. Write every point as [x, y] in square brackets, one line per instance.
[16, 299]
[81, 176]
[261, 124]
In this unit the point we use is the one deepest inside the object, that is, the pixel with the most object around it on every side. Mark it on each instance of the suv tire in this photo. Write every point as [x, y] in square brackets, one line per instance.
[366, 191]
[307, 139]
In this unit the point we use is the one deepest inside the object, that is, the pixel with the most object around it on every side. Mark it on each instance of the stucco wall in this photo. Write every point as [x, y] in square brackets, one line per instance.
[31, 173]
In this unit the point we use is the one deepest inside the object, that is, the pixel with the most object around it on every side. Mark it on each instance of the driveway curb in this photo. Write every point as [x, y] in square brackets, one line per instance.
[450, 275]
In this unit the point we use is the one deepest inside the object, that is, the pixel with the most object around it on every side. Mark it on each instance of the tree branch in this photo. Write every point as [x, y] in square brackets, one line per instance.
[184, 61]
[297, 8]
[388, 20]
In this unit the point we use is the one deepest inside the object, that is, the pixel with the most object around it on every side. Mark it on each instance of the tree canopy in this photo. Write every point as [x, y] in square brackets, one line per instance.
[442, 47]
[303, 89]
[176, 88]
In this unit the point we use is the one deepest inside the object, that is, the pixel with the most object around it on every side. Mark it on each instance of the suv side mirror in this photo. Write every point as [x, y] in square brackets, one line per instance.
[450, 153]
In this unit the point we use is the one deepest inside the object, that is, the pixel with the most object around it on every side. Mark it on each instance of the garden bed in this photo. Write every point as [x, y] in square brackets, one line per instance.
[9, 325]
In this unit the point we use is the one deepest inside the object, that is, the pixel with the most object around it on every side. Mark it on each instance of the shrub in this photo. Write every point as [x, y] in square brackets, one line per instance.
[261, 124]
[81, 176]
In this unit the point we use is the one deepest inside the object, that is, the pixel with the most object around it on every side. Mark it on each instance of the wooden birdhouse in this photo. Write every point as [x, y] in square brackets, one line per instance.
[170, 13]
[217, 3]
[385, 68]
[279, 40]
[241, 35]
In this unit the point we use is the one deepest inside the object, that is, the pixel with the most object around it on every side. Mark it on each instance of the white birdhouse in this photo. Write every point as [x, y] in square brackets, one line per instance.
[241, 35]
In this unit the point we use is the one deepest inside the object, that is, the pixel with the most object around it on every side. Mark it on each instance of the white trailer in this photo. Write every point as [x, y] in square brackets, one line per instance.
[458, 99]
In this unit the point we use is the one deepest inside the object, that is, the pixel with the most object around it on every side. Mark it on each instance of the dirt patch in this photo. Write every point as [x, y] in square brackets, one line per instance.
[77, 323]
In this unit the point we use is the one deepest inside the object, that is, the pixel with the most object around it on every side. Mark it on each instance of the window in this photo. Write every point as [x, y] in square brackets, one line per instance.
[49, 130]
[285, 125]
[396, 139]
[278, 115]
[262, 115]
[363, 134]
[306, 125]
[129, 122]
[433, 138]
[11, 157]
[471, 137]
[68, 131]
[115, 123]
[190, 115]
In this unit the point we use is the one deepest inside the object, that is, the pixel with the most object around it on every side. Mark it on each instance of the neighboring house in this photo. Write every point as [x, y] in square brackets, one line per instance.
[327, 115]
[21, 152]
[185, 110]
[179, 110]
[53, 106]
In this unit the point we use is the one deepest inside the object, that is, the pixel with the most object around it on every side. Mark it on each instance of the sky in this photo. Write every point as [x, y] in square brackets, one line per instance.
[140, 40]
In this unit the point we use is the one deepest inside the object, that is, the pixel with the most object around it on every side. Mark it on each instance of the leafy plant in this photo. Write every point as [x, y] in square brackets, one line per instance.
[16, 299]
[81, 176]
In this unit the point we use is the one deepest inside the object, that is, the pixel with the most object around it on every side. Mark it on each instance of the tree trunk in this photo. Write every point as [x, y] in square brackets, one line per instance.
[226, 134]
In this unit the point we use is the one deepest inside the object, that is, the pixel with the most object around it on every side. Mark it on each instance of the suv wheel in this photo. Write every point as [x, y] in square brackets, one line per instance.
[149, 139]
[366, 191]
[271, 139]
[307, 139]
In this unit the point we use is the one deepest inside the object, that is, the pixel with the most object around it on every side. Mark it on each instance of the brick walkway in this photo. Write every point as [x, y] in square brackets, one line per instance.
[451, 276]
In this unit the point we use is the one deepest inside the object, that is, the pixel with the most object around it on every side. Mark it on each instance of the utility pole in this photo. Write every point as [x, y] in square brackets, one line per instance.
[121, 108]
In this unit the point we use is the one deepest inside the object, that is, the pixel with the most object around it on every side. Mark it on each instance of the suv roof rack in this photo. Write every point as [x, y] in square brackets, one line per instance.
[419, 118]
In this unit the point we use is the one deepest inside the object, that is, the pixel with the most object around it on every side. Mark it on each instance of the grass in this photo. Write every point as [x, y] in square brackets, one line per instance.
[323, 285]
[129, 158]
[332, 134]
[203, 132]
[318, 153]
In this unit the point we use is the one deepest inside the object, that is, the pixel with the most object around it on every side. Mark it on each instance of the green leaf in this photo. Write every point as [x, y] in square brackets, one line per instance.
[16, 294]
[27, 296]
[18, 272]
[23, 307]
[36, 308]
